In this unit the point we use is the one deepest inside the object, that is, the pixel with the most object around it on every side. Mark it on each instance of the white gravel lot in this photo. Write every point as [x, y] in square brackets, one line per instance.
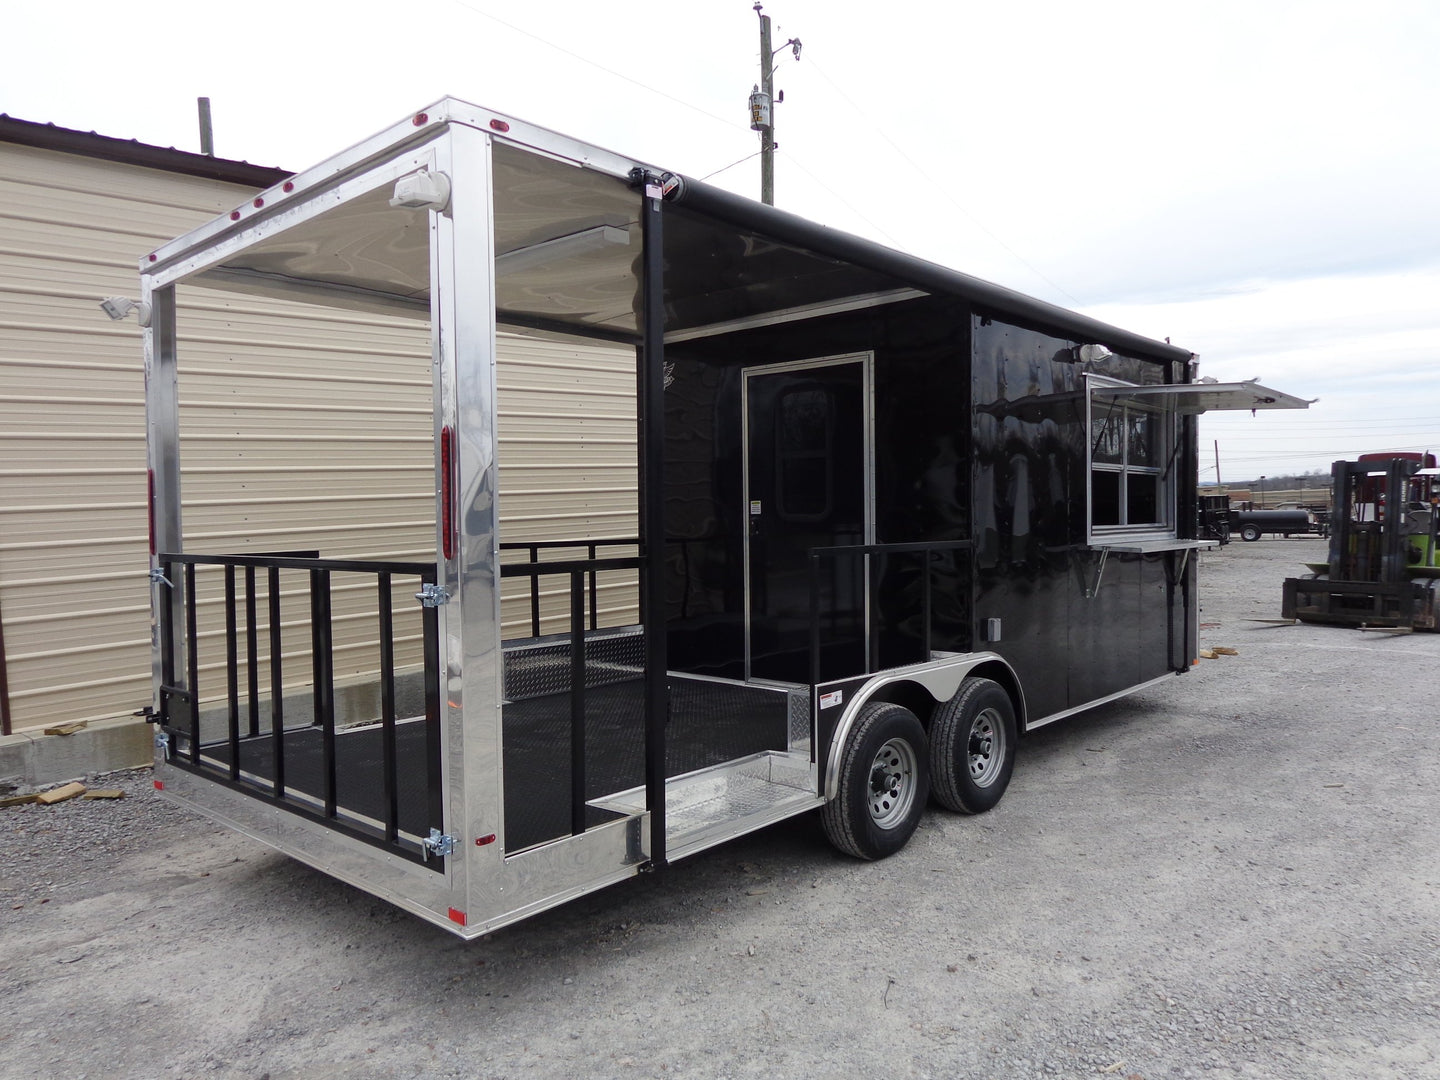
[1235, 874]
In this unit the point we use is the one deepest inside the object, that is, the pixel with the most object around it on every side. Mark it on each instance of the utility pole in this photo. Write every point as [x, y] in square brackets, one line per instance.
[762, 106]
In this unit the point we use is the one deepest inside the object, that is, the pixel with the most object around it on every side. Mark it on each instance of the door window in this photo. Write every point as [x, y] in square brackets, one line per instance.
[804, 471]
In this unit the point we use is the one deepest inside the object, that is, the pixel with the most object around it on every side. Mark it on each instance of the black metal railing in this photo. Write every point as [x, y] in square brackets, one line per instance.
[534, 547]
[220, 758]
[580, 571]
[874, 558]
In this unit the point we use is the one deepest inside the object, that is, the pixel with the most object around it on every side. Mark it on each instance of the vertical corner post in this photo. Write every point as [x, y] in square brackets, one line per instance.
[652, 511]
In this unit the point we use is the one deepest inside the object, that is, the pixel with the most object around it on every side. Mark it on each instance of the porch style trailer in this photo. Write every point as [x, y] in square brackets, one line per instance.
[886, 519]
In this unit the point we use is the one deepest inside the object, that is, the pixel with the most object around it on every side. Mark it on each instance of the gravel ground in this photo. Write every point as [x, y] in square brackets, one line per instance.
[1234, 874]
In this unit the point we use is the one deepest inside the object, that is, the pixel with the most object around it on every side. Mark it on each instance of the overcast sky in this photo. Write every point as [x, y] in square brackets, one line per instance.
[1257, 180]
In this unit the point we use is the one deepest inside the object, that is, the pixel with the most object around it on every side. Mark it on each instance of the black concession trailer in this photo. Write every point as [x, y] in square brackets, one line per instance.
[890, 518]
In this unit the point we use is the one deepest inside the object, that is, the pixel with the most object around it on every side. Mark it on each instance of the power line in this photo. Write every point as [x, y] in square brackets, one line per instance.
[726, 168]
[941, 188]
[843, 201]
[599, 67]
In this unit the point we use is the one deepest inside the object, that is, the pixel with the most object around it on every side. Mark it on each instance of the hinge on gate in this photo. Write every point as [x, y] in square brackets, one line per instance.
[432, 595]
[157, 577]
[437, 843]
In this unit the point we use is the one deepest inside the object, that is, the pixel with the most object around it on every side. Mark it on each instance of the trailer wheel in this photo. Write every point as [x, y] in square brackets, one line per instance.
[1250, 533]
[884, 783]
[972, 747]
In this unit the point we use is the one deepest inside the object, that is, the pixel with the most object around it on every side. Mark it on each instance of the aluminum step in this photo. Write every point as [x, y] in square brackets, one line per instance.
[717, 804]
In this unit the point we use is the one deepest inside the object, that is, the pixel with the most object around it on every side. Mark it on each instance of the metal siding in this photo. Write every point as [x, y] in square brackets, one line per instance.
[72, 426]
[301, 428]
[567, 455]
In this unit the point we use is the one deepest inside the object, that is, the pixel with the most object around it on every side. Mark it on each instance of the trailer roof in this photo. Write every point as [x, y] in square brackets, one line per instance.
[743, 261]
[921, 273]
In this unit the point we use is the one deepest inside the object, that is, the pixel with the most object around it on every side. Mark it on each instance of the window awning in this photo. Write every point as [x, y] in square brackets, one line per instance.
[1187, 399]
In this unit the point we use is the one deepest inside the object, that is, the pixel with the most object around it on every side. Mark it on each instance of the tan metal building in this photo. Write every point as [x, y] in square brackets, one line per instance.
[345, 458]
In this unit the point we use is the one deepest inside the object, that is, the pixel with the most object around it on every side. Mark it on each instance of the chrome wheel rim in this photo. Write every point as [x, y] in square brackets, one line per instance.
[986, 748]
[893, 779]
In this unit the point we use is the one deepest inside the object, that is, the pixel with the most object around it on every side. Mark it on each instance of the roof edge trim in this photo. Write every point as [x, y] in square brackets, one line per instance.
[134, 152]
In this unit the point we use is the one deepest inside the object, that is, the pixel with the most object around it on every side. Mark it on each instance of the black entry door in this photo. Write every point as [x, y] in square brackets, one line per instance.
[806, 454]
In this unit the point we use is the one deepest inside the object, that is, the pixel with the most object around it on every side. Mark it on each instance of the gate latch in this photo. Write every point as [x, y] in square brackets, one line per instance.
[157, 577]
[162, 743]
[437, 843]
[432, 595]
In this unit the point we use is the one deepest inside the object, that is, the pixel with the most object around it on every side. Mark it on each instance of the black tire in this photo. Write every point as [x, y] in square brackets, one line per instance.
[1250, 533]
[972, 747]
[884, 783]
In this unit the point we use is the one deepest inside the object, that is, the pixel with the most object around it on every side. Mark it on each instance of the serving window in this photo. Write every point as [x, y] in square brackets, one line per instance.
[1132, 447]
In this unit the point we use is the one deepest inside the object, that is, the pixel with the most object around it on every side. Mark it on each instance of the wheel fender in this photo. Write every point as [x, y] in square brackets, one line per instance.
[941, 678]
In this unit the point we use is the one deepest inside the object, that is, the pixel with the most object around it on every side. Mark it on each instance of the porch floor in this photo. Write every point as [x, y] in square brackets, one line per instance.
[711, 722]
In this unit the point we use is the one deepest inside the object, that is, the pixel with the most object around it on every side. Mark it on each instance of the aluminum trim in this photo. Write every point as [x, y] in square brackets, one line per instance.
[796, 314]
[462, 292]
[162, 454]
[387, 143]
[396, 880]
[232, 236]
[1043, 721]
[1190, 398]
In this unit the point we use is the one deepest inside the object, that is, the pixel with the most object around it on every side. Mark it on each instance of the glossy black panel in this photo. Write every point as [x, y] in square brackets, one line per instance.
[992, 450]
[1074, 626]
[921, 464]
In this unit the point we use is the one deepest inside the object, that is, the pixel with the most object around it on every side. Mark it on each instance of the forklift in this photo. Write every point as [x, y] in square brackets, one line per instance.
[1384, 565]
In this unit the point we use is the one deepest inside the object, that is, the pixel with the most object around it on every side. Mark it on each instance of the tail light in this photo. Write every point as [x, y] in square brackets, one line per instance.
[447, 492]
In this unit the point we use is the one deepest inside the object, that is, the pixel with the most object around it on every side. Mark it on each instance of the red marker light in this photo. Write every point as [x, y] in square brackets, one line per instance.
[499, 125]
[421, 119]
[234, 215]
[447, 492]
[153, 257]
[481, 841]
[457, 916]
[289, 185]
[159, 785]
[259, 203]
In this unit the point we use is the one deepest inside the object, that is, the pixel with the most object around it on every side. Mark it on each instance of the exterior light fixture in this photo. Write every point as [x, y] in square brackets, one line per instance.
[1092, 354]
[117, 307]
[562, 247]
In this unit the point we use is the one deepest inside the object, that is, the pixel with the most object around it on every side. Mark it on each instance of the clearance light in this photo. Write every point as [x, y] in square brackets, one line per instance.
[499, 125]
